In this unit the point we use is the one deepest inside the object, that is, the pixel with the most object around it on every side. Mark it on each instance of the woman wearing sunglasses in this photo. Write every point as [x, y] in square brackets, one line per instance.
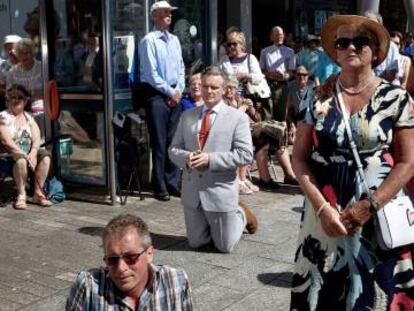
[338, 264]
[20, 147]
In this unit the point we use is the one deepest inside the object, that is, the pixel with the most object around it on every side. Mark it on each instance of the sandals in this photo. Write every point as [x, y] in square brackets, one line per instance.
[252, 186]
[41, 200]
[20, 202]
[243, 188]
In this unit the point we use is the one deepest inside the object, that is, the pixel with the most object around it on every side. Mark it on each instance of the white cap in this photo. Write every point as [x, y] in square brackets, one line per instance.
[12, 39]
[162, 5]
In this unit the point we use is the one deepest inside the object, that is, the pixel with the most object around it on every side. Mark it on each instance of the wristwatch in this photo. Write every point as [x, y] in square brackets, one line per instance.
[374, 205]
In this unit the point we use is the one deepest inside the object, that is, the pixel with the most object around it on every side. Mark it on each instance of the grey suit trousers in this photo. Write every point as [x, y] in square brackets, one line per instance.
[223, 228]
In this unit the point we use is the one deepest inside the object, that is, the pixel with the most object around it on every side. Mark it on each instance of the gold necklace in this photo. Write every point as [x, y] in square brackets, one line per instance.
[358, 91]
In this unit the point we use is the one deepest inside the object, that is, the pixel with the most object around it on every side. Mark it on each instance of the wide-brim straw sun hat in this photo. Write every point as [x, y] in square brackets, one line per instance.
[329, 30]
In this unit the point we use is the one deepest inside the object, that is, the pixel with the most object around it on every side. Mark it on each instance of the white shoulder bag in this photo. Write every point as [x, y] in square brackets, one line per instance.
[394, 223]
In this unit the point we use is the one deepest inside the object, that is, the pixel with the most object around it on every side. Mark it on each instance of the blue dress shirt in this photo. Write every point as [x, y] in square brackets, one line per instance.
[161, 62]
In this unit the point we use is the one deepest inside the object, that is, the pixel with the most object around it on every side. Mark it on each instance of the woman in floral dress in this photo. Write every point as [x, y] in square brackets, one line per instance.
[338, 264]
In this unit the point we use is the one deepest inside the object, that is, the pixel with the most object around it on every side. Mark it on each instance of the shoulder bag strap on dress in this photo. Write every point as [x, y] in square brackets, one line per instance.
[351, 140]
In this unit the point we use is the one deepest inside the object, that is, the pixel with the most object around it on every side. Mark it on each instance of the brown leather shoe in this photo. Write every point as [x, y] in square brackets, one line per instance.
[251, 225]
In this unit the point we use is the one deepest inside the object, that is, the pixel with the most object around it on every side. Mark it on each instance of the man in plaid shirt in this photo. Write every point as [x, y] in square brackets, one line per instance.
[130, 281]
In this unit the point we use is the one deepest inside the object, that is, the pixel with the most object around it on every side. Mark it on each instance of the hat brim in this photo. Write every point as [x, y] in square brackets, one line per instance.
[171, 8]
[329, 30]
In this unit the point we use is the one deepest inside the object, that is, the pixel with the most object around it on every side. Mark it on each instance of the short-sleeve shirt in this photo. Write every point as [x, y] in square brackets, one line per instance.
[22, 135]
[280, 58]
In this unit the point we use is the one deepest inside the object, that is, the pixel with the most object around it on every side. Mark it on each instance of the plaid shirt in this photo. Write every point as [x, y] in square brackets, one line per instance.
[94, 290]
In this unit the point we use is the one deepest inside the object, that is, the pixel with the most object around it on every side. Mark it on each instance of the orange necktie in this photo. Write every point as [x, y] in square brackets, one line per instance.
[205, 128]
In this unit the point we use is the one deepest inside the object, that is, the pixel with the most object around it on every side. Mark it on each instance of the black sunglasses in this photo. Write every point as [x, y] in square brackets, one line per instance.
[301, 74]
[358, 42]
[15, 98]
[232, 43]
[130, 259]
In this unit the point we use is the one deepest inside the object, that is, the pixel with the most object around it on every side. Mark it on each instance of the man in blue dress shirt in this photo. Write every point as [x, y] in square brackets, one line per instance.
[162, 73]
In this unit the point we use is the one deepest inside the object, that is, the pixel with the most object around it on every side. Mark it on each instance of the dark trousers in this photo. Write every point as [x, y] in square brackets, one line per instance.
[162, 123]
[279, 100]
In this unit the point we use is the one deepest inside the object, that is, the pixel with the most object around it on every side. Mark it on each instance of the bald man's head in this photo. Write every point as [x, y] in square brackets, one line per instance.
[277, 36]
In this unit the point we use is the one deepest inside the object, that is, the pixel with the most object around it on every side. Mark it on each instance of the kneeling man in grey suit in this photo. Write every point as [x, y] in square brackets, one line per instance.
[211, 141]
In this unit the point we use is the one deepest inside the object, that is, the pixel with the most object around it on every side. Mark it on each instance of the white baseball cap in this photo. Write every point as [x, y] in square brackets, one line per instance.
[162, 5]
[12, 39]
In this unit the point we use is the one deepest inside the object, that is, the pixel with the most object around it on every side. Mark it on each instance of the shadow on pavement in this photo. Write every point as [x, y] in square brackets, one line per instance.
[92, 231]
[281, 279]
[178, 243]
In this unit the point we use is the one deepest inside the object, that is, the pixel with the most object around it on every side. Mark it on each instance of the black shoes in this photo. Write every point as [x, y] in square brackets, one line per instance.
[174, 192]
[291, 181]
[268, 185]
[163, 196]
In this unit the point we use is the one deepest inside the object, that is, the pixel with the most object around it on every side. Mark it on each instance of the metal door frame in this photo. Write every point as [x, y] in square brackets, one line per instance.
[45, 37]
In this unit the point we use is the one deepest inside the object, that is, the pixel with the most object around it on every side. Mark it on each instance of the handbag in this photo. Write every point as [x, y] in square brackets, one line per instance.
[55, 191]
[394, 223]
[261, 90]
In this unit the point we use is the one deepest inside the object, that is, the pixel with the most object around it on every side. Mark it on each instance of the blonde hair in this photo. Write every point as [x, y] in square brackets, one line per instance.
[23, 44]
[239, 37]
[196, 76]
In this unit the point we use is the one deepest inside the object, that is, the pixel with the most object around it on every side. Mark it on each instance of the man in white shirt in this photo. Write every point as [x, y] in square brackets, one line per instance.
[277, 62]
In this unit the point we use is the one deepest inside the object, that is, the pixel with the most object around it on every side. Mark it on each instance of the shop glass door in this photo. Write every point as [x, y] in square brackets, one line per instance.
[75, 49]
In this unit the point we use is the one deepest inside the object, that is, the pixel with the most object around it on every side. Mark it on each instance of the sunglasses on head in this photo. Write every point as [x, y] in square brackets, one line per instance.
[358, 42]
[130, 259]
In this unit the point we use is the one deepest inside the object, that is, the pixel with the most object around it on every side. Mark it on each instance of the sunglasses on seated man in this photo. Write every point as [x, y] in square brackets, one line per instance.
[358, 42]
[130, 259]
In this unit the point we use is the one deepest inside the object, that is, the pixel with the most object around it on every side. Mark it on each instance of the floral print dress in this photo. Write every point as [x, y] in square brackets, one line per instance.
[351, 272]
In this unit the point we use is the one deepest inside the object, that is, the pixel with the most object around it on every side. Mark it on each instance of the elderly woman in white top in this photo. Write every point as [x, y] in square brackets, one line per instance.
[20, 147]
[239, 64]
[28, 73]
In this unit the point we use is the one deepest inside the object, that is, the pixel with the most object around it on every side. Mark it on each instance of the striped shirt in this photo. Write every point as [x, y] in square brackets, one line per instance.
[169, 289]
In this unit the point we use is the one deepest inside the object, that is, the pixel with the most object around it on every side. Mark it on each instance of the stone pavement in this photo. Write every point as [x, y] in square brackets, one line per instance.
[41, 251]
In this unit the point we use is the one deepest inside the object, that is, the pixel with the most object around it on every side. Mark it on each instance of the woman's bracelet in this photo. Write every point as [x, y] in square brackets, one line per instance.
[322, 207]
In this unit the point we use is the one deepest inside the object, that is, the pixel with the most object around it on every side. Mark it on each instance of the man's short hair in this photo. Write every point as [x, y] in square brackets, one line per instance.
[213, 71]
[121, 223]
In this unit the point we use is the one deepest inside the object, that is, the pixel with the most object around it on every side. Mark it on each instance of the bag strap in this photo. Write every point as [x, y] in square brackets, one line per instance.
[351, 140]
[248, 63]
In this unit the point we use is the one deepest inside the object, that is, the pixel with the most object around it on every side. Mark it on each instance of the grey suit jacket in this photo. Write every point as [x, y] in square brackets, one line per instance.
[229, 145]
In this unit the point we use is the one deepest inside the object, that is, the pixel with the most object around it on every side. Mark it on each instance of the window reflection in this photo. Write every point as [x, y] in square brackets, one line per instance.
[78, 62]
[188, 27]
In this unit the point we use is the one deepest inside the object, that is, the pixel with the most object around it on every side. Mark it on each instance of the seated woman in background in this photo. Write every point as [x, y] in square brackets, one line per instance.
[246, 105]
[296, 91]
[20, 145]
[194, 99]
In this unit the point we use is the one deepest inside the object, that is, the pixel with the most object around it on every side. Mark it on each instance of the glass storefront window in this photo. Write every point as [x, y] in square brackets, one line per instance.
[188, 25]
[76, 62]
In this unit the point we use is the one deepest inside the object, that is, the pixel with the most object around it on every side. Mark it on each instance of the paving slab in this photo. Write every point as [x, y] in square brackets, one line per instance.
[42, 250]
